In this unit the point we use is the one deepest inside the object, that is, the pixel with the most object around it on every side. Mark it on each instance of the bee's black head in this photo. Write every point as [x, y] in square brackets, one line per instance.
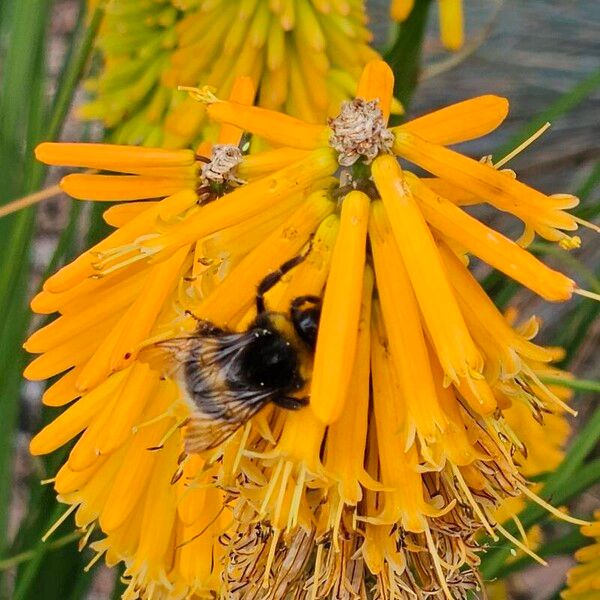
[270, 360]
[305, 312]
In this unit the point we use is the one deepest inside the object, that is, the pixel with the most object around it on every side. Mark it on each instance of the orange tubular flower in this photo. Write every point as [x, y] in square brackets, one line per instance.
[406, 445]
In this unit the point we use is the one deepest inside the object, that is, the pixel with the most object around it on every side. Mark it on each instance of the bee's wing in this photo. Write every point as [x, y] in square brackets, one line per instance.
[205, 431]
[217, 411]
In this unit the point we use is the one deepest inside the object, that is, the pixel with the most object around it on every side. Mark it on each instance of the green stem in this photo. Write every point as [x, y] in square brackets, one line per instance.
[23, 557]
[581, 385]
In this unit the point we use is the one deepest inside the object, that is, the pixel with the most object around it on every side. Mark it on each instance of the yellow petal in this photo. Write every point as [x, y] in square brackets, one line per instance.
[130, 483]
[238, 290]
[405, 502]
[310, 276]
[451, 23]
[270, 125]
[111, 157]
[243, 91]
[249, 200]
[159, 512]
[491, 246]
[444, 321]
[405, 331]
[338, 328]
[377, 83]
[74, 419]
[98, 308]
[62, 391]
[121, 187]
[460, 122]
[472, 294]
[400, 9]
[84, 266]
[135, 394]
[263, 163]
[347, 437]
[543, 213]
[120, 214]
[72, 352]
[143, 312]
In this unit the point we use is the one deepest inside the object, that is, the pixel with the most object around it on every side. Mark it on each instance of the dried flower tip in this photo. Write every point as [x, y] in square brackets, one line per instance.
[359, 130]
[223, 163]
[205, 94]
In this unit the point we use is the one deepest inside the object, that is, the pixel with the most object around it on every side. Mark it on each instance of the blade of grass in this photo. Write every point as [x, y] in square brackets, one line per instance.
[21, 93]
[576, 326]
[37, 577]
[585, 211]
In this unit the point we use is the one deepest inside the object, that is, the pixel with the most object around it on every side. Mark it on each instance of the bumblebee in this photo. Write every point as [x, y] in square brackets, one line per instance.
[228, 377]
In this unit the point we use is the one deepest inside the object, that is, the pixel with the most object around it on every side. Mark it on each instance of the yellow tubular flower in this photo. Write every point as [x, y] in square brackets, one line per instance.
[304, 57]
[451, 19]
[334, 353]
[583, 581]
[414, 396]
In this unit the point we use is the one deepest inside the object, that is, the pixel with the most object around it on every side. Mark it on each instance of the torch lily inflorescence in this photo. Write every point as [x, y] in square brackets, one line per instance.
[383, 484]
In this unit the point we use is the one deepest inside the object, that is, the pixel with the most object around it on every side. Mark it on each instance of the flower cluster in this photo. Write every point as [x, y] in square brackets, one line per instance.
[306, 55]
[385, 481]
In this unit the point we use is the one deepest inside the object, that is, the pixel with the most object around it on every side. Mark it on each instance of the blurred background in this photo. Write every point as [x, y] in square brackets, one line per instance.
[543, 55]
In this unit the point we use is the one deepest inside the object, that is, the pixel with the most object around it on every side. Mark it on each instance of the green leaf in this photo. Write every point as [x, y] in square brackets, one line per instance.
[50, 572]
[575, 384]
[584, 210]
[21, 94]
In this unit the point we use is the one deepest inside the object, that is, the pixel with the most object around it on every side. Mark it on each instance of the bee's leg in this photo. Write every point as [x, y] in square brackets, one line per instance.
[291, 403]
[274, 277]
[306, 312]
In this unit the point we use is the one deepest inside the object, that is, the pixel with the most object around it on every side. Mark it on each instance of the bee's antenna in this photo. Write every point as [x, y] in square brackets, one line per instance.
[270, 280]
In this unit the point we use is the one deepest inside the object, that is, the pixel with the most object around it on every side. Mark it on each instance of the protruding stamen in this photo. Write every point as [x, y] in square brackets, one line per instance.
[59, 522]
[587, 224]
[522, 146]
[587, 294]
[29, 200]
